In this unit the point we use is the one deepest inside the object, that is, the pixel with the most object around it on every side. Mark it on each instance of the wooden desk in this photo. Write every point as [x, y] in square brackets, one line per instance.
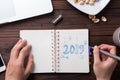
[73, 19]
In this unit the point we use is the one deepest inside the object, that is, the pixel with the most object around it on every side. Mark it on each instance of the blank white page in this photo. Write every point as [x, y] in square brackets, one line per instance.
[41, 48]
[73, 51]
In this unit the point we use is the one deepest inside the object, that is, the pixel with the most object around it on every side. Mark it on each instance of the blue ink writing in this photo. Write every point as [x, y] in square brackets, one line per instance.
[66, 49]
[81, 47]
[73, 49]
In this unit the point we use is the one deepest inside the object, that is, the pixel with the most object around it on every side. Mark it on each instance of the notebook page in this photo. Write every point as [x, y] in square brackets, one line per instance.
[73, 51]
[41, 48]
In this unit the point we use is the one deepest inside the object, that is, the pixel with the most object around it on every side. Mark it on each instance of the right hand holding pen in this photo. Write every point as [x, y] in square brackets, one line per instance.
[104, 65]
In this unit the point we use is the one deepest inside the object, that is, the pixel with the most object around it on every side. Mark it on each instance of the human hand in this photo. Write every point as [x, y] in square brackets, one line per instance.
[17, 69]
[104, 65]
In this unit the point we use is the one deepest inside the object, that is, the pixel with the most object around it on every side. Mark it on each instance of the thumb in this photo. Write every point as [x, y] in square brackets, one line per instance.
[96, 54]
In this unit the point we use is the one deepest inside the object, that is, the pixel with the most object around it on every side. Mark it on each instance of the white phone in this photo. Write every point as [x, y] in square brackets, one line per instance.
[2, 64]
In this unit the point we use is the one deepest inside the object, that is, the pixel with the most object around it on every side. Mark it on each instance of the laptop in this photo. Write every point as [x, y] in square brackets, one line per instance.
[14, 10]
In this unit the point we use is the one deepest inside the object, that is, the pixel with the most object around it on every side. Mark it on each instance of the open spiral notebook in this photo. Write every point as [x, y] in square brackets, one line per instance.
[59, 51]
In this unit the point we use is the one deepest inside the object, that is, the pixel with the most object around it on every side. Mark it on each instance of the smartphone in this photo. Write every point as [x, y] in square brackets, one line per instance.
[2, 64]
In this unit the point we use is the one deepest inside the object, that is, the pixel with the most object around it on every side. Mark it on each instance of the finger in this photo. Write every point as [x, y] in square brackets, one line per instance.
[16, 49]
[110, 48]
[103, 57]
[30, 65]
[106, 46]
[24, 53]
[113, 50]
[96, 54]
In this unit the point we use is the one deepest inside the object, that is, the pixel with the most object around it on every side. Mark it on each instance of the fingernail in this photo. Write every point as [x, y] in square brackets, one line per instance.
[20, 40]
[29, 45]
[24, 40]
[95, 46]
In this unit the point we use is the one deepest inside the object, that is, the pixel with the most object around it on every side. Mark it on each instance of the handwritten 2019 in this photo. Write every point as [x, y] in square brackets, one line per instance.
[73, 49]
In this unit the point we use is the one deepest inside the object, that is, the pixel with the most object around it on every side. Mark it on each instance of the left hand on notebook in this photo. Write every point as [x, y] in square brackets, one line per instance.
[16, 69]
[104, 65]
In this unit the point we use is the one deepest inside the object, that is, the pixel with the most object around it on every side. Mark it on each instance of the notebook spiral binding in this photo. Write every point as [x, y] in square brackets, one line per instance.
[57, 51]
